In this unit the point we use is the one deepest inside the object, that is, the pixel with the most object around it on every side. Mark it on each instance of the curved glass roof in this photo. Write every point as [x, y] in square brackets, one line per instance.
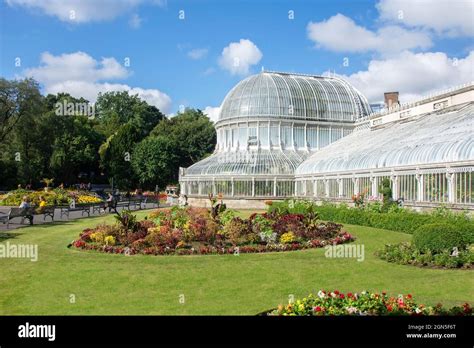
[285, 95]
[257, 162]
[439, 137]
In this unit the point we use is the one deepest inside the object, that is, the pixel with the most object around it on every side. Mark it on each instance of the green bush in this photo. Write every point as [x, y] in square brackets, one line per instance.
[408, 254]
[438, 237]
[402, 220]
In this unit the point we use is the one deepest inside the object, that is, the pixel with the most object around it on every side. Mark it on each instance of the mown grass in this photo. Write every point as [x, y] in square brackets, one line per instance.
[216, 284]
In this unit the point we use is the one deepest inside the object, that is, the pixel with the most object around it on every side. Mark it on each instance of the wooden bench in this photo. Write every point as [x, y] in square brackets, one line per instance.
[24, 213]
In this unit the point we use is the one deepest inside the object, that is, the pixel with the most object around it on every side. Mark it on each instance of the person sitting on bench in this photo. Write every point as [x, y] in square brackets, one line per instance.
[25, 204]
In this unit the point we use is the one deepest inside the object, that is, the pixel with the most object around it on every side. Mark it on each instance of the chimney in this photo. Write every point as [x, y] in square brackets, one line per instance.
[391, 99]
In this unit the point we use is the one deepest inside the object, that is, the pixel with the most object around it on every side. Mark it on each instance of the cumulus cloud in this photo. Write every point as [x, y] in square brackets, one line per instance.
[81, 11]
[197, 53]
[238, 57]
[413, 75]
[450, 18]
[212, 112]
[82, 76]
[341, 34]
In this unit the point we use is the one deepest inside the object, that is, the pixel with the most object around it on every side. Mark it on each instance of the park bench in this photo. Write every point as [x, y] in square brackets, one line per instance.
[24, 213]
[83, 208]
[47, 211]
[153, 200]
[136, 202]
[99, 207]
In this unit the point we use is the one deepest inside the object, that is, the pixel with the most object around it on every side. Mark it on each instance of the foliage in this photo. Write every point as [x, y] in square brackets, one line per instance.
[127, 220]
[399, 219]
[407, 254]
[193, 133]
[116, 158]
[386, 191]
[54, 197]
[189, 230]
[37, 142]
[364, 303]
[438, 237]
[153, 161]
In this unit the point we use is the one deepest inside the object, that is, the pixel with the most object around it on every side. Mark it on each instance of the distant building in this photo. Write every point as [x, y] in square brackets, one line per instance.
[289, 135]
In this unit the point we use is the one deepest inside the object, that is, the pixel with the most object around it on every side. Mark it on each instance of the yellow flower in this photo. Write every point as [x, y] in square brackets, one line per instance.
[287, 238]
[109, 240]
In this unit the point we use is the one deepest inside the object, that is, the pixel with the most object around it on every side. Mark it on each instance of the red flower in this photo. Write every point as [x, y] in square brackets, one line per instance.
[389, 308]
[336, 292]
[341, 296]
[349, 294]
[317, 309]
[409, 296]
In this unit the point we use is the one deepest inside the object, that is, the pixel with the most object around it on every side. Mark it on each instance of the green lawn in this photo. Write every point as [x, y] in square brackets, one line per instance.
[245, 284]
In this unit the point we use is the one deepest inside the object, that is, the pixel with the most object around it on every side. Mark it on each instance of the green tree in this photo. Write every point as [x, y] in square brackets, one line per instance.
[114, 109]
[193, 135]
[116, 154]
[154, 161]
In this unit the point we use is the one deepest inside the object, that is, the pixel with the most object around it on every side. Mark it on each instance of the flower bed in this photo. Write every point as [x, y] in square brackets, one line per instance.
[364, 303]
[188, 231]
[408, 254]
[53, 198]
[395, 219]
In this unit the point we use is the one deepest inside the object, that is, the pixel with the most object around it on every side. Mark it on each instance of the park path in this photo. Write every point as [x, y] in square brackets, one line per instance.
[73, 215]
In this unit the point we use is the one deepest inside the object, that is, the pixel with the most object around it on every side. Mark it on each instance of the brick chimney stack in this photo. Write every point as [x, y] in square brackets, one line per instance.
[391, 99]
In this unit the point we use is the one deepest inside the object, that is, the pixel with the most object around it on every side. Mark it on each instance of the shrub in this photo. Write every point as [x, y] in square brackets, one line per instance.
[402, 220]
[238, 231]
[438, 237]
[407, 254]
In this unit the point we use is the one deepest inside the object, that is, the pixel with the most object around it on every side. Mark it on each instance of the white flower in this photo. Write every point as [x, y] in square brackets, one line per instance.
[333, 294]
[321, 294]
[351, 310]
[417, 311]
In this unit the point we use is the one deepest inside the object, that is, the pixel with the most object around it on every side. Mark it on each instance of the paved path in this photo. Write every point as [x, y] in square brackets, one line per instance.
[73, 215]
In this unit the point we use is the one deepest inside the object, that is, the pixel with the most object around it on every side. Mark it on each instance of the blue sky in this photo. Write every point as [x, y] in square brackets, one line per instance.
[414, 47]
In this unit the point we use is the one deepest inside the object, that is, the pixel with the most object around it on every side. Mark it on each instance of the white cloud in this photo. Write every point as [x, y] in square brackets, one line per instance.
[413, 75]
[197, 53]
[341, 34]
[445, 17]
[212, 112]
[238, 57]
[82, 76]
[81, 11]
[135, 21]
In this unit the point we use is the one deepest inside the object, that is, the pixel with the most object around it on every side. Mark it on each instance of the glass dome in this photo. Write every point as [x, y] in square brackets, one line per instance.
[294, 96]
[268, 125]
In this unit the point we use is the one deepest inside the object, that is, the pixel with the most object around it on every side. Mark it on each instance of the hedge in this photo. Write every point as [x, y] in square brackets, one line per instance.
[402, 220]
[438, 237]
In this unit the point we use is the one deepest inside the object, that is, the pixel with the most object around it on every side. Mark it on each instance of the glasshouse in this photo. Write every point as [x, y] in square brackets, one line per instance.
[285, 135]
[270, 123]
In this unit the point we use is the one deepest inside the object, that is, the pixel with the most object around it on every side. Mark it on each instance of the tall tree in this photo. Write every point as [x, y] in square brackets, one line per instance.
[154, 161]
[18, 99]
[193, 134]
[115, 109]
[116, 155]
